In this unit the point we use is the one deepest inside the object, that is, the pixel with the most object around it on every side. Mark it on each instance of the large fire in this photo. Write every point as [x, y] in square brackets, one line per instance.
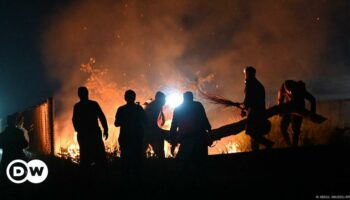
[109, 96]
[160, 45]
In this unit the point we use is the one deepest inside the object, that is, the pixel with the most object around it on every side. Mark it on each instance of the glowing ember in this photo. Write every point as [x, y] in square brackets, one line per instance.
[231, 147]
[73, 150]
[150, 152]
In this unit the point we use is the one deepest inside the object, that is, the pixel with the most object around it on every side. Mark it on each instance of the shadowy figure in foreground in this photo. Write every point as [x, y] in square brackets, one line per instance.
[154, 135]
[255, 110]
[12, 142]
[86, 114]
[294, 93]
[190, 126]
[131, 118]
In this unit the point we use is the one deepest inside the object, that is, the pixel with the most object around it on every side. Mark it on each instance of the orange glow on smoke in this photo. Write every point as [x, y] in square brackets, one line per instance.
[110, 97]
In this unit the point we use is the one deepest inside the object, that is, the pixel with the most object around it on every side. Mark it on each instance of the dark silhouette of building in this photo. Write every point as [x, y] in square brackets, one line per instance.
[293, 93]
[86, 115]
[131, 118]
[154, 135]
[12, 142]
[190, 126]
[254, 108]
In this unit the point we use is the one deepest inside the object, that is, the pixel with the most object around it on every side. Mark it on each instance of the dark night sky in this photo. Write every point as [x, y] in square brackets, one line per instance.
[23, 80]
[23, 76]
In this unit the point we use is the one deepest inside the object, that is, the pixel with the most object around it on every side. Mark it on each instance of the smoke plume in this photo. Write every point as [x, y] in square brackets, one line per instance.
[156, 45]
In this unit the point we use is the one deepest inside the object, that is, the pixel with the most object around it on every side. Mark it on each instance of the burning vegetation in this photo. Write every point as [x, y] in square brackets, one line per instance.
[106, 92]
[167, 45]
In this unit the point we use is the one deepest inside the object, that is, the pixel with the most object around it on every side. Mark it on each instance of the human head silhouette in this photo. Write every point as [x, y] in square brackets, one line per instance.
[188, 97]
[83, 93]
[289, 85]
[130, 96]
[160, 97]
[249, 72]
[11, 120]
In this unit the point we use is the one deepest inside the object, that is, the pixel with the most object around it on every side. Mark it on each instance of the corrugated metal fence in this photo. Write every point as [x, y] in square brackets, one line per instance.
[39, 121]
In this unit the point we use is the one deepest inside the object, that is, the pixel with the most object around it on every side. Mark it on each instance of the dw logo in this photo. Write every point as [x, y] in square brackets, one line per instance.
[35, 171]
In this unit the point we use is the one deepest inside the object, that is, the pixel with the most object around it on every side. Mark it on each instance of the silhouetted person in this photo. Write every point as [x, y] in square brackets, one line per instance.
[254, 108]
[191, 126]
[12, 142]
[131, 118]
[154, 135]
[293, 93]
[86, 115]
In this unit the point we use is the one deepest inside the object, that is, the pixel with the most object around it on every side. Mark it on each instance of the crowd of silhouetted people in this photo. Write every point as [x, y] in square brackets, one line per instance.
[139, 129]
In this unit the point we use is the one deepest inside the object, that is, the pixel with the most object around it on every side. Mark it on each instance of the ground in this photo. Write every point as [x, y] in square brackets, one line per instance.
[289, 173]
